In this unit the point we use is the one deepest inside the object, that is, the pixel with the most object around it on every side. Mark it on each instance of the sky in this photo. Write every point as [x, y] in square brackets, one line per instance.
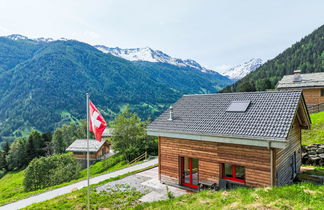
[216, 34]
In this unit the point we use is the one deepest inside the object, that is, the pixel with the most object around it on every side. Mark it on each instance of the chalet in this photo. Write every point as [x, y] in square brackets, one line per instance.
[97, 150]
[311, 84]
[252, 139]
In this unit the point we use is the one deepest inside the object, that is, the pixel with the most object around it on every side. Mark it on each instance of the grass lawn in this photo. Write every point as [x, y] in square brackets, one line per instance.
[316, 134]
[11, 184]
[298, 196]
[77, 200]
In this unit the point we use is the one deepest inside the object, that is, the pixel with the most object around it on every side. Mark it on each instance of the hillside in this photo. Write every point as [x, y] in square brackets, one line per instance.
[306, 55]
[43, 84]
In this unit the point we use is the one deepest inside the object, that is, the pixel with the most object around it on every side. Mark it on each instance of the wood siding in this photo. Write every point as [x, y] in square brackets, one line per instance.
[283, 157]
[93, 155]
[313, 96]
[211, 155]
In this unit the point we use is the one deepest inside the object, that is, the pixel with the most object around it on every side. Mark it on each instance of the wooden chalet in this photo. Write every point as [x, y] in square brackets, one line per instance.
[98, 150]
[312, 85]
[251, 139]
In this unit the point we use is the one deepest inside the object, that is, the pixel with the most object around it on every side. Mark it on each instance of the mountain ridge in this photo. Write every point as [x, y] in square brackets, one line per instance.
[43, 84]
[306, 55]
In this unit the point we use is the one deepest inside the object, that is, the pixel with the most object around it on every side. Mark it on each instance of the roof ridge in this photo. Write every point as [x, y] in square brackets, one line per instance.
[259, 92]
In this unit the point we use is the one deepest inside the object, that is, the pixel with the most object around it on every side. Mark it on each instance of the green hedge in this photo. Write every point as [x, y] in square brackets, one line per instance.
[49, 171]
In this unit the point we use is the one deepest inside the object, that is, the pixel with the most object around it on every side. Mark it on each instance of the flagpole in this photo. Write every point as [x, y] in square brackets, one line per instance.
[88, 170]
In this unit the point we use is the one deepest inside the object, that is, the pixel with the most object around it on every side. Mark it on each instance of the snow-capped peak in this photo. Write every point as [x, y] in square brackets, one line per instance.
[17, 37]
[150, 55]
[40, 39]
[240, 71]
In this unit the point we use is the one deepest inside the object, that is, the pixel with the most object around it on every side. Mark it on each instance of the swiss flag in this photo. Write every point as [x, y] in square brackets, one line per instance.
[97, 122]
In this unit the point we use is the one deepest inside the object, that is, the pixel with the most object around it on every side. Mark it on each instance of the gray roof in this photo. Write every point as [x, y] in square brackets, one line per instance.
[306, 80]
[269, 115]
[80, 145]
[107, 132]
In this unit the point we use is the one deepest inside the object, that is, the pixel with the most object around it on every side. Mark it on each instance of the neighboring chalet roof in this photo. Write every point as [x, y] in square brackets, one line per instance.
[107, 132]
[268, 115]
[302, 81]
[80, 145]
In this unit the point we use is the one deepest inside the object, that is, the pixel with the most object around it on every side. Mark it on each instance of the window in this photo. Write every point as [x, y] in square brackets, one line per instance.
[322, 92]
[189, 172]
[238, 106]
[233, 172]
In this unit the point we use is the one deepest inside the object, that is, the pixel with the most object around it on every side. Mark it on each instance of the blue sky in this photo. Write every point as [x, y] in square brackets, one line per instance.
[214, 33]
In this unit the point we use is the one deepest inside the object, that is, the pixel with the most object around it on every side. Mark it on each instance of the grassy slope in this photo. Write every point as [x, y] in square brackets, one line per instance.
[297, 196]
[316, 134]
[11, 185]
[77, 199]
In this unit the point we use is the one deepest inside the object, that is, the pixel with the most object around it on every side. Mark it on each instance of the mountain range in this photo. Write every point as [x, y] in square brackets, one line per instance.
[306, 55]
[43, 81]
[241, 70]
[43, 84]
[147, 54]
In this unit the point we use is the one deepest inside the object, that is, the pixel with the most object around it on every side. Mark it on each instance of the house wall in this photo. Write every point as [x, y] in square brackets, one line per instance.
[93, 155]
[313, 96]
[211, 155]
[283, 157]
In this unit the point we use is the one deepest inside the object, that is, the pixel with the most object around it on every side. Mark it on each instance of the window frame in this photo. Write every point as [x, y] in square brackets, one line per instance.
[233, 178]
[322, 92]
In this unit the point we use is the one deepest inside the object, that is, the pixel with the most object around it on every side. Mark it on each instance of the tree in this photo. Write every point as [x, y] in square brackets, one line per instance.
[48, 146]
[64, 136]
[16, 157]
[263, 84]
[247, 86]
[34, 146]
[129, 135]
[5, 147]
[3, 162]
[48, 171]
[58, 144]
[3, 154]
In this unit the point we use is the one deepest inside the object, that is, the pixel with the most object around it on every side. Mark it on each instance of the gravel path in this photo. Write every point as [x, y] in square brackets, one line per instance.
[146, 182]
[66, 189]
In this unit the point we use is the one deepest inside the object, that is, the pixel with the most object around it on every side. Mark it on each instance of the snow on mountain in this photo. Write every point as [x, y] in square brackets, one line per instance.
[150, 55]
[240, 71]
[17, 37]
[40, 39]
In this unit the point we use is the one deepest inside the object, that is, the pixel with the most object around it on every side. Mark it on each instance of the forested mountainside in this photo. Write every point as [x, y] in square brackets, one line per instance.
[43, 84]
[306, 55]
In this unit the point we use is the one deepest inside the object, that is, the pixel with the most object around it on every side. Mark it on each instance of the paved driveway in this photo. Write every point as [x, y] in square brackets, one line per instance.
[146, 182]
[66, 189]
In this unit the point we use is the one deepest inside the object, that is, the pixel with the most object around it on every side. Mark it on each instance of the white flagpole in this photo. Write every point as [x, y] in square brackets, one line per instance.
[88, 169]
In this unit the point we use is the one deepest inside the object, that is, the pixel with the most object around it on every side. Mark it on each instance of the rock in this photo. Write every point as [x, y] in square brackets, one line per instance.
[320, 150]
[311, 153]
[314, 158]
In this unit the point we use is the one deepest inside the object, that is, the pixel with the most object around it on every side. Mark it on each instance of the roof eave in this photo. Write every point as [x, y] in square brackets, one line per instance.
[251, 141]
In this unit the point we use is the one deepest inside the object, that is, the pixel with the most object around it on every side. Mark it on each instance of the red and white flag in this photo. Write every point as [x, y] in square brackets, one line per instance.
[97, 122]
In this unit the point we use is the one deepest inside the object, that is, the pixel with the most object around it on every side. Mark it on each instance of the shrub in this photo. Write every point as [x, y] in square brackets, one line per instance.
[129, 136]
[49, 171]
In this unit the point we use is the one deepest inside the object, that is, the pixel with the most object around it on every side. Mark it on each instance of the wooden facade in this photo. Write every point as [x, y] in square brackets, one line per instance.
[285, 157]
[103, 150]
[257, 161]
[314, 95]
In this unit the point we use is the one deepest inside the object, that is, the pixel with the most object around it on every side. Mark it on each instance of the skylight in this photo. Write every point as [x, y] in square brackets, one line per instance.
[238, 106]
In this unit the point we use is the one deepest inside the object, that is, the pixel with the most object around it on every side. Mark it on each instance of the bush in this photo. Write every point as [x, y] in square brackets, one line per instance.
[129, 136]
[49, 171]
